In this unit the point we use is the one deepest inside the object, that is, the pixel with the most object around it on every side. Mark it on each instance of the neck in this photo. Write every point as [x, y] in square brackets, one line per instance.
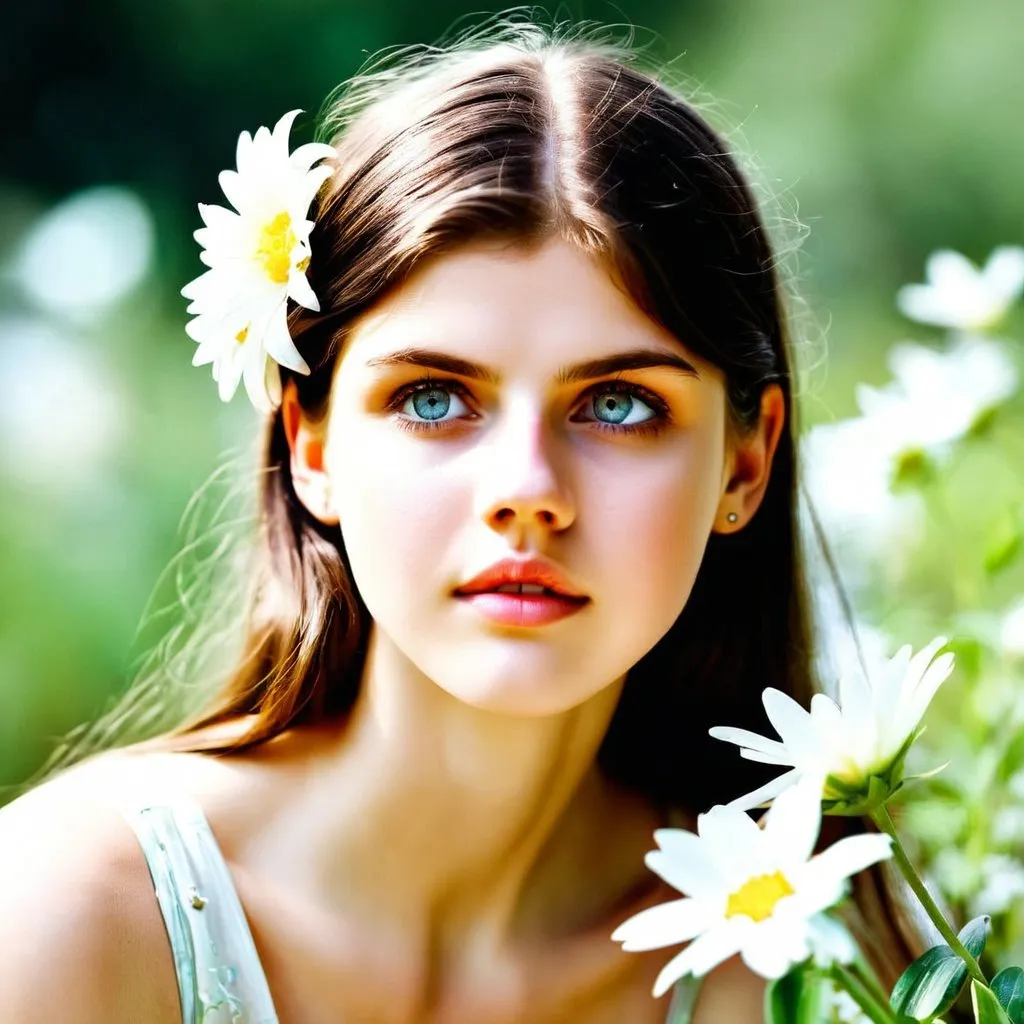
[459, 823]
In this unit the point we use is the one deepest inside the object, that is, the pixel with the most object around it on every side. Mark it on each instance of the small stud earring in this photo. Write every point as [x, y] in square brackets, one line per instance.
[732, 517]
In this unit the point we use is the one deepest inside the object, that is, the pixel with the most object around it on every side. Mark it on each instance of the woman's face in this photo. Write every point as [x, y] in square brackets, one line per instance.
[437, 471]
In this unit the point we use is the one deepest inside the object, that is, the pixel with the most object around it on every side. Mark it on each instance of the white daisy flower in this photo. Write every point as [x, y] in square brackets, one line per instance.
[937, 397]
[959, 295]
[753, 891]
[854, 749]
[257, 258]
[848, 469]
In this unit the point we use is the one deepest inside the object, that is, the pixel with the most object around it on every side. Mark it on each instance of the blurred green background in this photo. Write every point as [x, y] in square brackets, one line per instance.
[881, 131]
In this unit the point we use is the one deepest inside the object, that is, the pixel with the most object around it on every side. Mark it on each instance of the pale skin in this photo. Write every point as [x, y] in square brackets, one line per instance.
[452, 854]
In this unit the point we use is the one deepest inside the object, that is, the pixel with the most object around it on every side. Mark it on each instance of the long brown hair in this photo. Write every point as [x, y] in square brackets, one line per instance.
[523, 134]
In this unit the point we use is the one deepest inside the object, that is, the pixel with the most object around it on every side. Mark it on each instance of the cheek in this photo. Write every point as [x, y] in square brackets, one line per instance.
[398, 514]
[654, 523]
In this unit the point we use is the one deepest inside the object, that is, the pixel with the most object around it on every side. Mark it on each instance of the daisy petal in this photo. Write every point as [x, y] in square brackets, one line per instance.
[278, 342]
[775, 946]
[734, 841]
[300, 291]
[669, 975]
[794, 820]
[706, 952]
[243, 149]
[233, 186]
[664, 925]
[228, 372]
[273, 383]
[751, 740]
[1004, 271]
[825, 714]
[922, 679]
[305, 156]
[949, 270]
[823, 876]
[926, 305]
[769, 791]
[283, 129]
[762, 758]
[219, 218]
[254, 375]
[792, 722]
[683, 862]
[690, 877]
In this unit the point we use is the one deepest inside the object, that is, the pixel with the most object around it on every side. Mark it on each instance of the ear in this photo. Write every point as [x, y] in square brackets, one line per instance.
[306, 440]
[748, 464]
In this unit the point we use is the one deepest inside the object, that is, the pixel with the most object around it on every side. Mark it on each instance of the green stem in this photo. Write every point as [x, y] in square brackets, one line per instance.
[879, 1013]
[884, 822]
[866, 977]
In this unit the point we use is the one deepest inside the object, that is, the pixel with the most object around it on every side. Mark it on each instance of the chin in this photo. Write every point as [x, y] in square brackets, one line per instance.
[502, 698]
[517, 684]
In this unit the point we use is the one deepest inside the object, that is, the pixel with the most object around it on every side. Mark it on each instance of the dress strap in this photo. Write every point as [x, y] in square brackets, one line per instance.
[220, 977]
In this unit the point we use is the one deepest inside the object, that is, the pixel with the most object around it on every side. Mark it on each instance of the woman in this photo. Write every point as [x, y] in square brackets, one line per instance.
[538, 341]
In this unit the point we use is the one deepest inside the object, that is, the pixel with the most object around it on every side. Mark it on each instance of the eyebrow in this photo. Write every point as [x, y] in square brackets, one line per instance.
[635, 359]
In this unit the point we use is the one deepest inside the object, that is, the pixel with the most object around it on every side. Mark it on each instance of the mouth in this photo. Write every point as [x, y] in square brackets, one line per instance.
[519, 588]
[522, 592]
[523, 604]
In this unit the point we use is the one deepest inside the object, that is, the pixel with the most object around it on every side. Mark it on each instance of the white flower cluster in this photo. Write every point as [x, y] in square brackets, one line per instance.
[258, 254]
[760, 892]
[936, 397]
[961, 297]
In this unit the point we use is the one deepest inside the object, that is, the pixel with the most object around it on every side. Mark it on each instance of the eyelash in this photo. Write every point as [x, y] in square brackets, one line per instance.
[648, 428]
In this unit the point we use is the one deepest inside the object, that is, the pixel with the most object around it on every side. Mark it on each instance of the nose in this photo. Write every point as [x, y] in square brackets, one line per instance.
[521, 487]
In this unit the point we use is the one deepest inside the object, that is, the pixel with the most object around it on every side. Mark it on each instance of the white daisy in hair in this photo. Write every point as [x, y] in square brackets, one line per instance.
[257, 254]
[961, 296]
[754, 891]
[855, 750]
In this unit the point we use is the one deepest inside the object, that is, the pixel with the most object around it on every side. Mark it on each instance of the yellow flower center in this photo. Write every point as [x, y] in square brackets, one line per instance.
[275, 249]
[757, 897]
[242, 335]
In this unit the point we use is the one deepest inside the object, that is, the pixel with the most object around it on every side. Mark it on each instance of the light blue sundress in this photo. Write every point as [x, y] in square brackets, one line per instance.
[220, 977]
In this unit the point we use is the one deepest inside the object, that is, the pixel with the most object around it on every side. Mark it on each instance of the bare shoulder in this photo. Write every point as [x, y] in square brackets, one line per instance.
[78, 914]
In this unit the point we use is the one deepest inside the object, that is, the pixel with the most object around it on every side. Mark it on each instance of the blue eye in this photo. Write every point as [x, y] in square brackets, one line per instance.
[429, 401]
[619, 404]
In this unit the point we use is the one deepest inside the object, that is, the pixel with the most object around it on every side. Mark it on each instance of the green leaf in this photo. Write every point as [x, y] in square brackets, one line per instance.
[1013, 757]
[982, 423]
[1003, 544]
[795, 998]
[974, 934]
[1008, 987]
[930, 985]
[986, 1007]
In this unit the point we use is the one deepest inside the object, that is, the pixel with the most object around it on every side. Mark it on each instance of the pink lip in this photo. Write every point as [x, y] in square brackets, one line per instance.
[534, 570]
[523, 609]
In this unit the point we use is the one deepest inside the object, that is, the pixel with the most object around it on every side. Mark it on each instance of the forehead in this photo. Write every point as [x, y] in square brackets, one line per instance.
[503, 304]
